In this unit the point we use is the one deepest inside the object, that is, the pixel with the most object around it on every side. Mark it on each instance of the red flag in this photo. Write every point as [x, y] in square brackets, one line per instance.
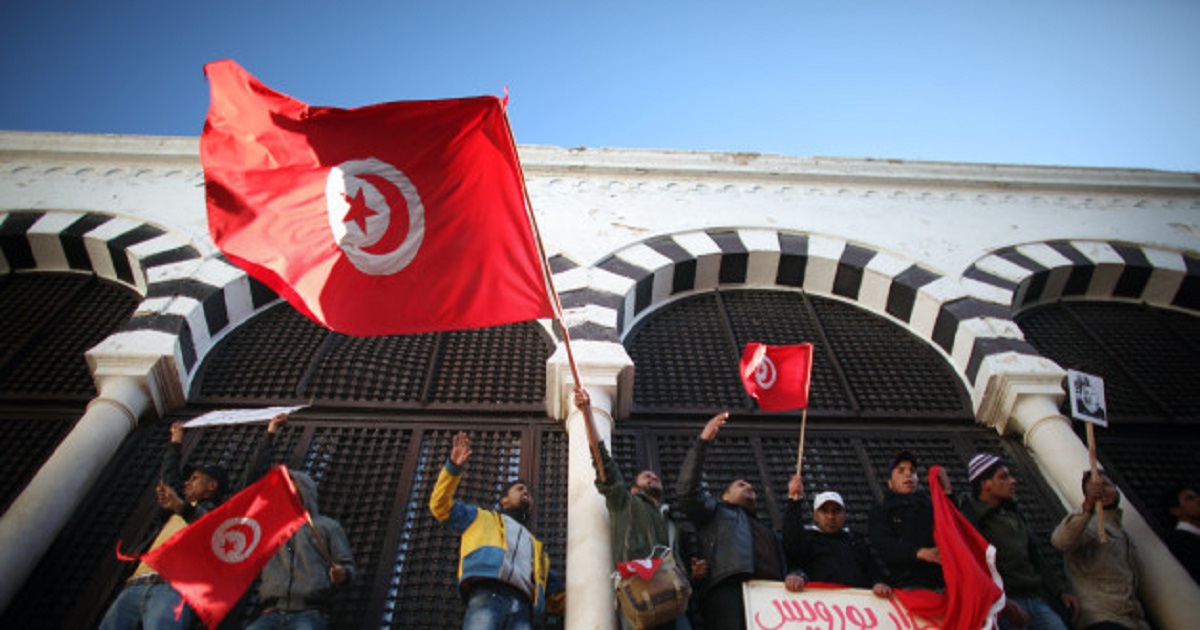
[974, 591]
[213, 561]
[777, 376]
[644, 568]
[394, 218]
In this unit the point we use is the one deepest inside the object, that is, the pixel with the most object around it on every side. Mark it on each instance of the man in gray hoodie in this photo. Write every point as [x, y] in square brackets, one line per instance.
[301, 579]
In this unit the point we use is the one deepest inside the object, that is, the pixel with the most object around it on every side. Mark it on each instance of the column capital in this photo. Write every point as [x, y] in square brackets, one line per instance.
[1010, 377]
[604, 366]
[144, 357]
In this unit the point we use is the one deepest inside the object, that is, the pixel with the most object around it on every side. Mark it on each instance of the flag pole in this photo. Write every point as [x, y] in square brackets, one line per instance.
[548, 278]
[800, 451]
[320, 543]
[1091, 438]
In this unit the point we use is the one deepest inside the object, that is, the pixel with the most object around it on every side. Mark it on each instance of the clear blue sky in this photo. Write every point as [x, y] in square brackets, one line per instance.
[1049, 82]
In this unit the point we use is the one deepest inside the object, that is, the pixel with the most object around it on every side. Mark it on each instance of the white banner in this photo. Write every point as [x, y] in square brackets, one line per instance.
[769, 606]
[238, 416]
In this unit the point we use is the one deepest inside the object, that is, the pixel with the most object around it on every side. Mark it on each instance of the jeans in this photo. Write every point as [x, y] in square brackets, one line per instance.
[297, 620]
[1042, 615]
[497, 607]
[153, 606]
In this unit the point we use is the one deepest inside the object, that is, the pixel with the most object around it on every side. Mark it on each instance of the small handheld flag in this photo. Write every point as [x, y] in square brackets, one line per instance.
[777, 376]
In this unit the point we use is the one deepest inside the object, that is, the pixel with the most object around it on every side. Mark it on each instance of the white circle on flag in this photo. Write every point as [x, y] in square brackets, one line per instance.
[366, 201]
[235, 539]
[765, 374]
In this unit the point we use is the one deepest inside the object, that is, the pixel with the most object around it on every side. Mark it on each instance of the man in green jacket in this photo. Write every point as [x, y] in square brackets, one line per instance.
[638, 520]
[1031, 588]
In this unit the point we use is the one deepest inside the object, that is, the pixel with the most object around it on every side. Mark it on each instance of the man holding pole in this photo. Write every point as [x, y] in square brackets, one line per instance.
[1105, 574]
[827, 551]
[638, 522]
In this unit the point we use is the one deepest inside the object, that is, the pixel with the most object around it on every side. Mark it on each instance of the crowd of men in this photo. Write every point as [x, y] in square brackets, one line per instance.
[719, 543]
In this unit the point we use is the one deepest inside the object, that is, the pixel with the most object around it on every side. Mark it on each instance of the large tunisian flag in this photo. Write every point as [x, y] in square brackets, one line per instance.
[974, 591]
[394, 218]
[213, 561]
[777, 376]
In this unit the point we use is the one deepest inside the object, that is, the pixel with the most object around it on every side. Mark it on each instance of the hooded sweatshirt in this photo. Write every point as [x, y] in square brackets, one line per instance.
[297, 576]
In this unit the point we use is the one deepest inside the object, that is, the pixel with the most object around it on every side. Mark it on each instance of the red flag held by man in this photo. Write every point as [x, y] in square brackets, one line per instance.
[213, 561]
[777, 376]
[974, 591]
[395, 218]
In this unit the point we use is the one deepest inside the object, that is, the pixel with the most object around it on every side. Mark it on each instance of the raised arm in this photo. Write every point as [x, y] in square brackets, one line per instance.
[693, 502]
[441, 501]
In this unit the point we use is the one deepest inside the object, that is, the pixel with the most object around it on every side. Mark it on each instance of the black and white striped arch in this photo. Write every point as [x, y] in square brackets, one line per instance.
[969, 319]
[1024, 276]
[188, 301]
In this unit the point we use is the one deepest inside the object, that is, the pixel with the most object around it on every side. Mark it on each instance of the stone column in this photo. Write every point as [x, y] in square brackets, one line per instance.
[606, 371]
[1027, 404]
[129, 387]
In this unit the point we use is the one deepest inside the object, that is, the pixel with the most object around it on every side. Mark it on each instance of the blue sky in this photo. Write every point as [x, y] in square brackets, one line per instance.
[1051, 82]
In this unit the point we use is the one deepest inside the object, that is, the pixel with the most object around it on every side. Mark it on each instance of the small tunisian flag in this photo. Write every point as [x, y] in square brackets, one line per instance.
[395, 218]
[777, 376]
[974, 591]
[213, 561]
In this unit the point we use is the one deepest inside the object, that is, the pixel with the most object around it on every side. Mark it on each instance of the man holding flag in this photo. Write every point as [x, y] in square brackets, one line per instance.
[149, 600]
[301, 579]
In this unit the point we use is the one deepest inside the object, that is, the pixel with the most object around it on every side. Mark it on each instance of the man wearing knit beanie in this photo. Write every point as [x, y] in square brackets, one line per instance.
[1031, 588]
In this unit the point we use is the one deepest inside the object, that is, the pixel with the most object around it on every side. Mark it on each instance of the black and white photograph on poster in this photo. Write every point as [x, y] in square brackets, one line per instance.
[1087, 397]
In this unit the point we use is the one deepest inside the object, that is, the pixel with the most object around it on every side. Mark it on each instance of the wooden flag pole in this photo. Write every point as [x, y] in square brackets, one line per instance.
[320, 542]
[800, 451]
[548, 278]
[1091, 438]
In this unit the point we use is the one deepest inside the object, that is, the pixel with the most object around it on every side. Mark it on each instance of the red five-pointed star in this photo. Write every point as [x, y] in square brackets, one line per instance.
[359, 211]
[229, 546]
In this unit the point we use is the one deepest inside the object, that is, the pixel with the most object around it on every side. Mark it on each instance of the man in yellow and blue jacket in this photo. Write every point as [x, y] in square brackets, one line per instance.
[503, 569]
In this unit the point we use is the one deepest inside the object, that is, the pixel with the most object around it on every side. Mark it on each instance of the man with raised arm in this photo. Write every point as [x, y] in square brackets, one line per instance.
[638, 520]
[301, 580]
[827, 551]
[503, 570]
[735, 543]
[147, 600]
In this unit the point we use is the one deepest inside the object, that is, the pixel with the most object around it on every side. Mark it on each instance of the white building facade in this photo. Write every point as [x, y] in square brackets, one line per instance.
[949, 256]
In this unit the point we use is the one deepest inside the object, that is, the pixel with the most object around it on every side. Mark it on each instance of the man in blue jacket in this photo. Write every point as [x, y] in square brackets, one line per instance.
[503, 569]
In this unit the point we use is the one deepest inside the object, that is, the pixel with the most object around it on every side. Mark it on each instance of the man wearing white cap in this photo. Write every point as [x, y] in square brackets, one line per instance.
[1031, 588]
[826, 551]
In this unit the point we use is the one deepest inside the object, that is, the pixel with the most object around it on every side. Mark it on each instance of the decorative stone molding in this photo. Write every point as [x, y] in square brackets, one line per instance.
[1005, 378]
[605, 369]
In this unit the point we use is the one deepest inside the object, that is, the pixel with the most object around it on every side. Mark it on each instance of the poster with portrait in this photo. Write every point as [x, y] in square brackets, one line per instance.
[1087, 397]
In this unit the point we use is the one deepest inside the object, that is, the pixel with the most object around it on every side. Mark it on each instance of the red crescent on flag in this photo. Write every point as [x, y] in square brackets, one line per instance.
[397, 230]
